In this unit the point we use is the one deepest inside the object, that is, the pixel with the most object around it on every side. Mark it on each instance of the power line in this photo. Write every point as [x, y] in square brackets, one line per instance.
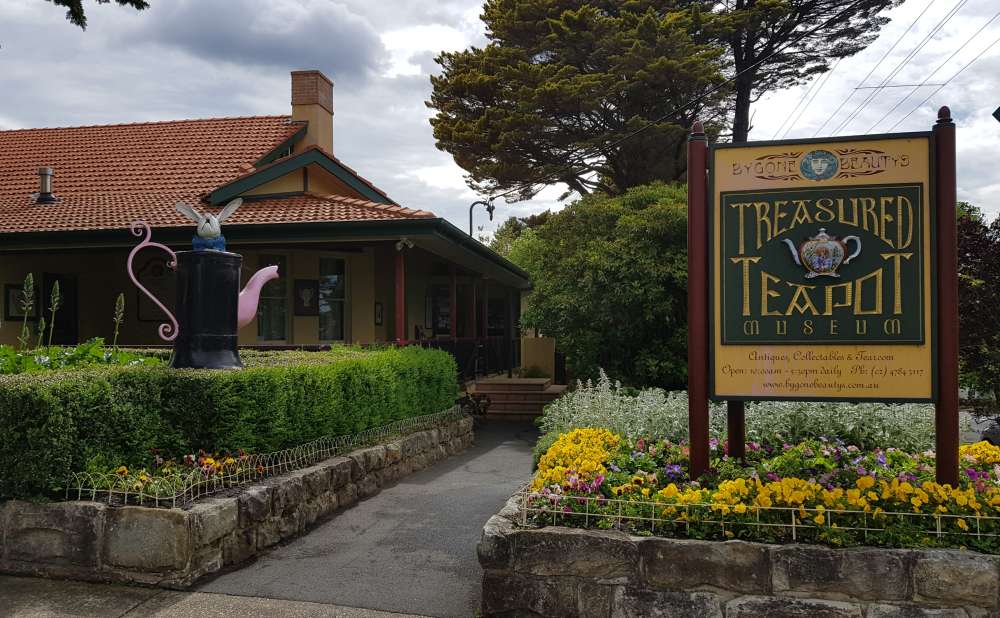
[876, 66]
[805, 96]
[940, 66]
[899, 67]
[965, 66]
[554, 175]
[825, 79]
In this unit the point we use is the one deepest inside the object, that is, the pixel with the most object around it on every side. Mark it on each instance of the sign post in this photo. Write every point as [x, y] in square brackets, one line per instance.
[831, 276]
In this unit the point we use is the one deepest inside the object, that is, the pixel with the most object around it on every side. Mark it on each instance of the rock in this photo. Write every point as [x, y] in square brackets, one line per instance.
[213, 518]
[374, 458]
[239, 546]
[630, 602]
[445, 432]
[676, 564]
[783, 607]
[341, 469]
[358, 469]
[289, 492]
[494, 546]
[327, 505]
[310, 513]
[509, 594]
[877, 610]
[59, 533]
[317, 480]
[412, 445]
[606, 556]
[870, 574]
[368, 486]
[393, 453]
[465, 425]
[268, 534]
[347, 495]
[147, 539]
[254, 504]
[953, 577]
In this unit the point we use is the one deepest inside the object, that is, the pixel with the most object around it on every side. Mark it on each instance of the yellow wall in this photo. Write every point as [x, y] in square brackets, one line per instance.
[290, 182]
[320, 130]
[539, 352]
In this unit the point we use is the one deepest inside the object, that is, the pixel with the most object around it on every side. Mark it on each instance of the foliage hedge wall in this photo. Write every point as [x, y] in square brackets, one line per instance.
[55, 423]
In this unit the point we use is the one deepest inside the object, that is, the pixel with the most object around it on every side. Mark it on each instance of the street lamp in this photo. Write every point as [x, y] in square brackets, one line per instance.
[489, 208]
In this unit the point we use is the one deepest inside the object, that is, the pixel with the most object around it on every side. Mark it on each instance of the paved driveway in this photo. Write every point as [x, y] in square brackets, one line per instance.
[411, 548]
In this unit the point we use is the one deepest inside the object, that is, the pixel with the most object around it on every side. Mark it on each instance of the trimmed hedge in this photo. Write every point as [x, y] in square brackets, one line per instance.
[56, 423]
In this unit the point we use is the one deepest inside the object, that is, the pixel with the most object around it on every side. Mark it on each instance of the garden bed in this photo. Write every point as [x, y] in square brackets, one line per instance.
[559, 571]
[174, 547]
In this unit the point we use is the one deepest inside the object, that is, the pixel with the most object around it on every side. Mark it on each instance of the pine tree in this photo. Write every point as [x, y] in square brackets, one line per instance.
[77, 17]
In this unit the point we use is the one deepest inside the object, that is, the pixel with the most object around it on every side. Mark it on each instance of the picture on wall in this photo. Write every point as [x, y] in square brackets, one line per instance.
[12, 309]
[306, 297]
[378, 314]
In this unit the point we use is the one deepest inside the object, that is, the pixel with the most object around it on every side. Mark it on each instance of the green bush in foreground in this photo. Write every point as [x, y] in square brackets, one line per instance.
[59, 422]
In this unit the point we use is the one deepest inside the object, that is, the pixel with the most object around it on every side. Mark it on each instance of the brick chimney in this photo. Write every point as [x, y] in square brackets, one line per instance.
[312, 101]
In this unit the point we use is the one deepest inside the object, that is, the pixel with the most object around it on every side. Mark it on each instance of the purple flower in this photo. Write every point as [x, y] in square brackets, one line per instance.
[862, 471]
[614, 468]
[880, 458]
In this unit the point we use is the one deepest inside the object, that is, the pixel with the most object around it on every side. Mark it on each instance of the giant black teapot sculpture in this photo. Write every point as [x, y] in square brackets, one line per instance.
[210, 306]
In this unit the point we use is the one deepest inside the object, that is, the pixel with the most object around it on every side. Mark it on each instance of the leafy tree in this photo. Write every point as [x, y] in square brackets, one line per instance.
[563, 77]
[978, 291]
[77, 17]
[756, 33]
[511, 229]
[610, 284]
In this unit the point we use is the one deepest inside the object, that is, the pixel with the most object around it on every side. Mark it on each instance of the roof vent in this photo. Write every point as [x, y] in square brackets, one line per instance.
[45, 186]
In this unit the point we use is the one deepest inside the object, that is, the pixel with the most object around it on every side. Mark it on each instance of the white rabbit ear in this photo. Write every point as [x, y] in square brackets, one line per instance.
[188, 211]
[230, 209]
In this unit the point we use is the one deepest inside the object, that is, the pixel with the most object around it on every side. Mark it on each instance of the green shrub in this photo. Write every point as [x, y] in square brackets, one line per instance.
[58, 422]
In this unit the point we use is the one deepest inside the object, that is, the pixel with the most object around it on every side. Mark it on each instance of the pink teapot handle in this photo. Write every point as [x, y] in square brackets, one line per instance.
[168, 332]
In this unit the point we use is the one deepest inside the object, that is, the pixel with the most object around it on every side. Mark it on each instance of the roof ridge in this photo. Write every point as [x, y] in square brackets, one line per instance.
[148, 122]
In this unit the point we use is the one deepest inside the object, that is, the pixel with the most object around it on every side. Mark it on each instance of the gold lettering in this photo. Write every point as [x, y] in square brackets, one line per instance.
[833, 327]
[778, 216]
[782, 327]
[900, 244]
[854, 212]
[739, 209]
[766, 293]
[751, 327]
[861, 327]
[807, 327]
[762, 210]
[801, 214]
[830, 305]
[801, 291]
[885, 218]
[825, 214]
[858, 286]
[897, 284]
[746, 261]
[892, 327]
[868, 212]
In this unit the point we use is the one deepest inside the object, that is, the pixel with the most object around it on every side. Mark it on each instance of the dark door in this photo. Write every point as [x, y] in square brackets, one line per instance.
[65, 330]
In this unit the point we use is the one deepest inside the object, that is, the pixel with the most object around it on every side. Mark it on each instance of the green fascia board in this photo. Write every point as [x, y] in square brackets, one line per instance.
[277, 170]
[273, 233]
[277, 150]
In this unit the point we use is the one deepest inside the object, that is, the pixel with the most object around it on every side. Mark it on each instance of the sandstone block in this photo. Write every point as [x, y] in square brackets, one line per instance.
[317, 480]
[341, 471]
[952, 577]
[869, 574]
[783, 607]
[213, 518]
[606, 556]
[494, 546]
[146, 539]
[878, 610]
[639, 603]
[676, 564]
[393, 453]
[368, 486]
[289, 491]
[60, 533]
[347, 495]
[239, 546]
[254, 504]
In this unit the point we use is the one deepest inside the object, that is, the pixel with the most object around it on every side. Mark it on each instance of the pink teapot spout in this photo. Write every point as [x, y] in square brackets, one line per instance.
[251, 294]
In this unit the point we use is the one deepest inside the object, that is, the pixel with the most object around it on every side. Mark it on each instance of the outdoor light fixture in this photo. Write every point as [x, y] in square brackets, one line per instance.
[489, 208]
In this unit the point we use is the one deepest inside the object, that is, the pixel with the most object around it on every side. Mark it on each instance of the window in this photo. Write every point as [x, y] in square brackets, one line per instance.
[332, 296]
[272, 310]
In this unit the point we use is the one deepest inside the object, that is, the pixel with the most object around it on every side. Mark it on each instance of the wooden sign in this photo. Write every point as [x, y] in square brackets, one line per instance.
[821, 262]
[823, 270]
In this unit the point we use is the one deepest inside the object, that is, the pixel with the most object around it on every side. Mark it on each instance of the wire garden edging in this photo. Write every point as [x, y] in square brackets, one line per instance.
[235, 472]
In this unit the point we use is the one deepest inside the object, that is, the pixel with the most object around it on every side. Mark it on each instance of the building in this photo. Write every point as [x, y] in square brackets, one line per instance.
[355, 265]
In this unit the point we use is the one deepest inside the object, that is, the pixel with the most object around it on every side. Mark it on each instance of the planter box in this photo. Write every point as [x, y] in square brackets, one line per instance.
[172, 548]
[556, 571]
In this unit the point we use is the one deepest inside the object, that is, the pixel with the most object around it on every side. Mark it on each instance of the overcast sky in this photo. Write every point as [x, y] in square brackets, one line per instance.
[205, 58]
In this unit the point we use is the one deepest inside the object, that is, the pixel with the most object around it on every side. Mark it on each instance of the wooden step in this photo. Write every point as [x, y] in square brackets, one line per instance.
[496, 385]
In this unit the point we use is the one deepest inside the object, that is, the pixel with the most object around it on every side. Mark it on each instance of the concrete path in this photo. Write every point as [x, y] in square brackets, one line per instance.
[25, 597]
[411, 548]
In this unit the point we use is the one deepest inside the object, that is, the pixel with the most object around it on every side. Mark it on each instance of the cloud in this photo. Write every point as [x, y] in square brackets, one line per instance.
[321, 34]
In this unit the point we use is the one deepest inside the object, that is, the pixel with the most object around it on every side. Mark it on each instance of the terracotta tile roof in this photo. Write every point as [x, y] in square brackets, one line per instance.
[107, 176]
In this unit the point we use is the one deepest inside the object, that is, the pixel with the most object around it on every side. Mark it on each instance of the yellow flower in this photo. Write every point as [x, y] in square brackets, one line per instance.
[819, 519]
[865, 482]
[740, 508]
[122, 471]
[961, 524]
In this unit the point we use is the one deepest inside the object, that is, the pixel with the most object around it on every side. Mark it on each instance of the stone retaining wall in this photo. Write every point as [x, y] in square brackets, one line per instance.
[556, 571]
[172, 547]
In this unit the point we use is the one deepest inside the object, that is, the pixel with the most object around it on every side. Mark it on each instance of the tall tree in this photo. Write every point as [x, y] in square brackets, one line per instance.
[763, 38]
[564, 77]
[75, 13]
[510, 230]
[978, 291]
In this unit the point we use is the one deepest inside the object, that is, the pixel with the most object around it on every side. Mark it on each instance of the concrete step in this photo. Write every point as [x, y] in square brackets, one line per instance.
[495, 385]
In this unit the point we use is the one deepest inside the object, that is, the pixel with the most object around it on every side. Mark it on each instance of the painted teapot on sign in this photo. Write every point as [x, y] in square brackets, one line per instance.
[822, 254]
